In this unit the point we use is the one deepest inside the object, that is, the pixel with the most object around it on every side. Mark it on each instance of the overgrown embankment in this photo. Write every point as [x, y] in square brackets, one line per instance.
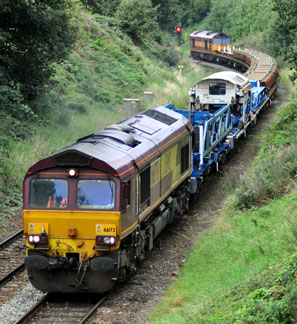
[244, 269]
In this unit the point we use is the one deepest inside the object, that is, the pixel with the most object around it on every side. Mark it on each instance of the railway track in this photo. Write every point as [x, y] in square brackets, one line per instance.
[63, 308]
[12, 274]
[51, 308]
[12, 254]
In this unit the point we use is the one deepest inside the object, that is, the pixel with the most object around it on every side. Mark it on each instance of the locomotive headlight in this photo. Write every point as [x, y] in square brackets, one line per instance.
[106, 240]
[41, 239]
[36, 238]
[72, 173]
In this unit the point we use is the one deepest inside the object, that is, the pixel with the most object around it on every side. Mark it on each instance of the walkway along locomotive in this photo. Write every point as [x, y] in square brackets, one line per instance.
[92, 209]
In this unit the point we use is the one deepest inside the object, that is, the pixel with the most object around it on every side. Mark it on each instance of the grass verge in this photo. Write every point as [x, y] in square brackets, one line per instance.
[240, 246]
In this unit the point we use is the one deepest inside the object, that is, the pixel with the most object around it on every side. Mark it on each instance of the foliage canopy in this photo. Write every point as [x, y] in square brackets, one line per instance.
[137, 18]
[286, 26]
[102, 7]
[33, 34]
[174, 12]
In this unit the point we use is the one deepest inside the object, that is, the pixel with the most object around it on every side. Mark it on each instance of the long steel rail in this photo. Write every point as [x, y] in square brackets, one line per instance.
[10, 238]
[17, 268]
[49, 309]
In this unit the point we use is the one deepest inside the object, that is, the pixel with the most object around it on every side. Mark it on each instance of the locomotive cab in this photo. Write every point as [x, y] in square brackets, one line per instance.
[72, 224]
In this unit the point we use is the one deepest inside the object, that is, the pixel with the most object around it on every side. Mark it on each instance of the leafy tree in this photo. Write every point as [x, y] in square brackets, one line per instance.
[286, 26]
[33, 34]
[240, 19]
[102, 7]
[137, 18]
[174, 12]
[198, 10]
[169, 13]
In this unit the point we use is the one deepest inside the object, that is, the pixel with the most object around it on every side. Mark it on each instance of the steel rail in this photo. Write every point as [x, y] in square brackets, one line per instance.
[10, 238]
[38, 305]
[93, 309]
[20, 267]
[33, 309]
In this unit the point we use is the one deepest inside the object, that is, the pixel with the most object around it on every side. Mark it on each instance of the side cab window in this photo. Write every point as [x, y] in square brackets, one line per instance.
[145, 186]
[126, 195]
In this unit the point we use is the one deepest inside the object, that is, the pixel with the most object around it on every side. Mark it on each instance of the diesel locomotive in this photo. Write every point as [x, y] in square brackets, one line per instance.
[204, 43]
[93, 209]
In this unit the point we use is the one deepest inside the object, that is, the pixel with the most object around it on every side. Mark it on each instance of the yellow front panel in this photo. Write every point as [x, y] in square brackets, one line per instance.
[63, 246]
[213, 46]
[59, 221]
[88, 224]
[106, 229]
[34, 228]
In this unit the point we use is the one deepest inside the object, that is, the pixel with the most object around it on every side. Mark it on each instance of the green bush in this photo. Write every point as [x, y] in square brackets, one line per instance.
[246, 21]
[270, 297]
[276, 166]
[137, 18]
[33, 35]
[102, 7]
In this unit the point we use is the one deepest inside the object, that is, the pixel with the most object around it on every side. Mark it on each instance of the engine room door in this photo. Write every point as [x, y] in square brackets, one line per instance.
[206, 44]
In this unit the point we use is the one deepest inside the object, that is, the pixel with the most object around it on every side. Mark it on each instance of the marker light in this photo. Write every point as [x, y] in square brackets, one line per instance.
[72, 231]
[105, 240]
[43, 239]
